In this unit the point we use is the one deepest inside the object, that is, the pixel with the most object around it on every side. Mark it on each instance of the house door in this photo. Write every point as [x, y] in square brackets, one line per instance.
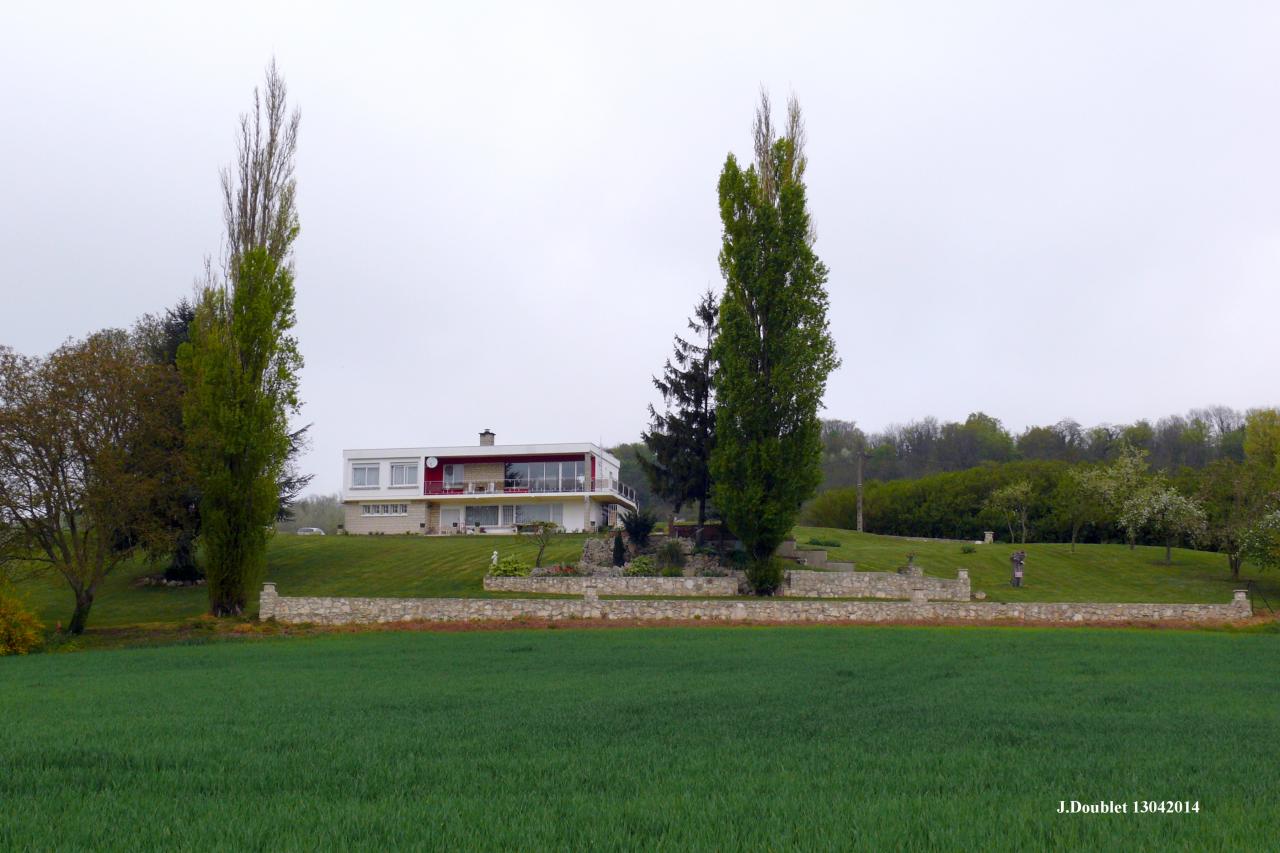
[450, 519]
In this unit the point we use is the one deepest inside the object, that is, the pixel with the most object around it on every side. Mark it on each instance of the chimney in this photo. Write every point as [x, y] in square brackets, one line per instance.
[486, 438]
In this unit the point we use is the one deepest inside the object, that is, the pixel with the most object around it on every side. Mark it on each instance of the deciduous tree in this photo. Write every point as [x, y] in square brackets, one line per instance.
[1012, 502]
[773, 352]
[86, 453]
[241, 364]
[1165, 512]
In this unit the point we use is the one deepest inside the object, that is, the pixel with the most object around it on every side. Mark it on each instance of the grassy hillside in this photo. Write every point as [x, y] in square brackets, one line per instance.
[1053, 572]
[412, 566]
[455, 566]
[674, 739]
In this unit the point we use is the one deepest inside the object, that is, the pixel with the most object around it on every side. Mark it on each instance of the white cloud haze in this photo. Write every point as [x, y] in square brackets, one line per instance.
[1036, 210]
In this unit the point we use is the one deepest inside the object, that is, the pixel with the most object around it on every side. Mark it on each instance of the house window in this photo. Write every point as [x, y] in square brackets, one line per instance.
[452, 476]
[364, 476]
[404, 474]
[540, 512]
[508, 515]
[384, 509]
[482, 516]
[544, 476]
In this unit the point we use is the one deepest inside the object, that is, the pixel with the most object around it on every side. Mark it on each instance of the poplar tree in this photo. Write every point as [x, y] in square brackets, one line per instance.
[682, 437]
[241, 364]
[773, 350]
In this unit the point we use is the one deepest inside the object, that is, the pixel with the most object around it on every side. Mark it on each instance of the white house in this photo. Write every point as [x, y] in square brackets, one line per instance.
[489, 488]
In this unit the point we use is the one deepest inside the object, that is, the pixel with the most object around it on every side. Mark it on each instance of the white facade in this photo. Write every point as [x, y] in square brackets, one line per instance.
[487, 488]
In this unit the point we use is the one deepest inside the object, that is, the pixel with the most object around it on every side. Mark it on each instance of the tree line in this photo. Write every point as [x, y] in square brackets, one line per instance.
[928, 446]
[1229, 504]
[147, 441]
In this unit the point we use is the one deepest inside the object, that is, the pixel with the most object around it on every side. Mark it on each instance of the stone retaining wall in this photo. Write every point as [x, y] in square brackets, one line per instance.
[806, 584]
[340, 611]
[571, 585]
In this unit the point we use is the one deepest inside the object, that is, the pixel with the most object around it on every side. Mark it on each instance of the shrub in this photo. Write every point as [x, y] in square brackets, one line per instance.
[825, 543]
[968, 549]
[672, 572]
[19, 628]
[619, 551]
[670, 555]
[564, 570]
[765, 576]
[511, 567]
[639, 525]
[713, 572]
[642, 567]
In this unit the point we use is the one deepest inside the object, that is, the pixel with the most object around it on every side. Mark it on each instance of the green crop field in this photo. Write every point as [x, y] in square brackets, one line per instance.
[455, 566]
[661, 738]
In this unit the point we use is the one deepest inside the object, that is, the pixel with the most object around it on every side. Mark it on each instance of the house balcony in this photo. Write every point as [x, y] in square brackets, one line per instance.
[517, 488]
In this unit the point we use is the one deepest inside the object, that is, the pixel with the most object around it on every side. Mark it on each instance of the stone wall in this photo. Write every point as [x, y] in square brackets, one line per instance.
[568, 585]
[806, 584]
[340, 611]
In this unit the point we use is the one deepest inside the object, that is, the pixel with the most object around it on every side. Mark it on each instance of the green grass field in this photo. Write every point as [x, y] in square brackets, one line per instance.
[1053, 572]
[661, 738]
[455, 566]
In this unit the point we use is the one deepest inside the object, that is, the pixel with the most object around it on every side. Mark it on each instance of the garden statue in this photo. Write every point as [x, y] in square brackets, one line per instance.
[493, 561]
[1018, 558]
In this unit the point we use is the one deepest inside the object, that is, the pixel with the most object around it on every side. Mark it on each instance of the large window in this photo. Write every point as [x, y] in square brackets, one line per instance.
[453, 476]
[364, 476]
[527, 513]
[482, 516]
[545, 476]
[404, 473]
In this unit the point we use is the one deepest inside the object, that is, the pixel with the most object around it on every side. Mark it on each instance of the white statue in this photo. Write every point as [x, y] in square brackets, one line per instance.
[493, 561]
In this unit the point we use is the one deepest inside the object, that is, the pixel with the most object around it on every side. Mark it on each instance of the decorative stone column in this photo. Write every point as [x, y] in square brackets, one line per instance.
[918, 596]
[962, 580]
[267, 602]
[1240, 601]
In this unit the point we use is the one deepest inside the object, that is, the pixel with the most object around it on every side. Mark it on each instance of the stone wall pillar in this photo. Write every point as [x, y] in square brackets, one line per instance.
[965, 588]
[1240, 601]
[918, 595]
[267, 602]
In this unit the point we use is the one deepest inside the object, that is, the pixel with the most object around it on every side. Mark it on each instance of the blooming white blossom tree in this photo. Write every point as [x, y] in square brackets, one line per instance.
[1164, 512]
[1261, 542]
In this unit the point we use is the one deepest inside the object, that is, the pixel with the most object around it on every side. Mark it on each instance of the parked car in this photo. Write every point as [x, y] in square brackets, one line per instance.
[310, 531]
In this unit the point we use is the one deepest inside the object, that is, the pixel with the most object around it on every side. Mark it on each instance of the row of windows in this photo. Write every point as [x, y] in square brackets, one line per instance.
[384, 509]
[368, 475]
[488, 516]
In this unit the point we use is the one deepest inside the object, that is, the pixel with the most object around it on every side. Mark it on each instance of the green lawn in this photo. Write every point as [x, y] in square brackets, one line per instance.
[1053, 572]
[455, 566]
[410, 566]
[661, 738]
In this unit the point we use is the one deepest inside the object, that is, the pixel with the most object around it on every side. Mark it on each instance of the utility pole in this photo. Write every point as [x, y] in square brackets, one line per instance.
[862, 454]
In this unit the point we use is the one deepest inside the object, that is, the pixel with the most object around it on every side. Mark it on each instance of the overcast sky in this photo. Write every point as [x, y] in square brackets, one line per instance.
[1038, 210]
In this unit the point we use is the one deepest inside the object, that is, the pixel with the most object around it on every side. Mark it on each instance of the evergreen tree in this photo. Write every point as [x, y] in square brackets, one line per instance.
[682, 437]
[773, 349]
[619, 550]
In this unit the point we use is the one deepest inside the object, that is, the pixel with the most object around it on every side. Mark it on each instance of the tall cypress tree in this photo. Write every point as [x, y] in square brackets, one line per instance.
[682, 437]
[773, 350]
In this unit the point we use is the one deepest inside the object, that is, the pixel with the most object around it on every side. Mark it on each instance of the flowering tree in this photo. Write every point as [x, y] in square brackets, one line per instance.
[1261, 542]
[1165, 512]
[1012, 503]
